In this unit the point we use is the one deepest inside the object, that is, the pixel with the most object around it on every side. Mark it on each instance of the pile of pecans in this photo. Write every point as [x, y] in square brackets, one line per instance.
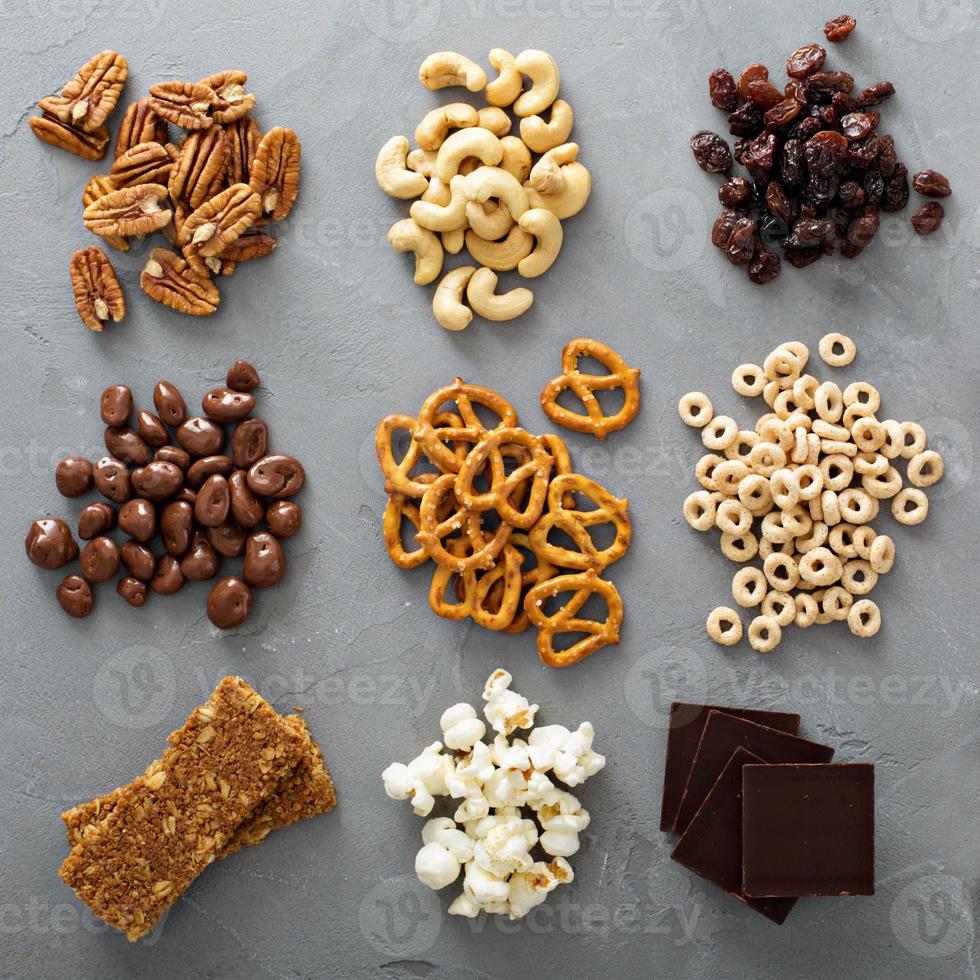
[819, 171]
[211, 192]
[813, 472]
[203, 502]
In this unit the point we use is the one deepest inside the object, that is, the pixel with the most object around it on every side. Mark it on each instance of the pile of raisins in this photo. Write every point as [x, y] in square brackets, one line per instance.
[819, 171]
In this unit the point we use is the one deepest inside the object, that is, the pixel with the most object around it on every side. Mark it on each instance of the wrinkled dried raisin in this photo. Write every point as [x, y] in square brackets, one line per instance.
[764, 267]
[928, 218]
[858, 125]
[805, 60]
[764, 93]
[837, 29]
[875, 94]
[778, 203]
[711, 152]
[851, 194]
[896, 194]
[792, 164]
[746, 120]
[782, 113]
[721, 230]
[931, 183]
[734, 192]
[742, 242]
[760, 154]
[721, 88]
[751, 74]
[826, 152]
[831, 81]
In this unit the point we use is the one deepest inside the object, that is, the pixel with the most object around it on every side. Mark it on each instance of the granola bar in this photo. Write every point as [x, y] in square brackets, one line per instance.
[165, 828]
[306, 792]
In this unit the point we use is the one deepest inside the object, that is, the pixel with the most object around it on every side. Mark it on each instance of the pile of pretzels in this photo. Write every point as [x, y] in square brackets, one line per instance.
[478, 185]
[486, 502]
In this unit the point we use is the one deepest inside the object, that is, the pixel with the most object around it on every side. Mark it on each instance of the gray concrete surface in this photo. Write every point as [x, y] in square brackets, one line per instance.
[342, 336]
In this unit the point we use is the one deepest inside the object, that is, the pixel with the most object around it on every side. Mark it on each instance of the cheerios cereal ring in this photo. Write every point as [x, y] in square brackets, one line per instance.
[745, 440]
[836, 349]
[828, 402]
[864, 395]
[785, 489]
[764, 634]
[864, 618]
[868, 434]
[779, 605]
[870, 464]
[695, 409]
[728, 475]
[892, 447]
[820, 567]
[806, 610]
[748, 380]
[856, 506]
[783, 366]
[810, 481]
[742, 548]
[925, 468]
[749, 587]
[858, 577]
[699, 510]
[781, 571]
[719, 433]
[837, 470]
[905, 514]
[913, 439]
[704, 470]
[733, 517]
[864, 537]
[836, 602]
[765, 458]
[816, 537]
[884, 485]
[724, 626]
[799, 349]
[841, 541]
[755, 495]
[881, 555]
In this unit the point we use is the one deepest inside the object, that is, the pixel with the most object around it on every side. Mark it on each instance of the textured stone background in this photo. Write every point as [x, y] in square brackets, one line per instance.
[342, 336]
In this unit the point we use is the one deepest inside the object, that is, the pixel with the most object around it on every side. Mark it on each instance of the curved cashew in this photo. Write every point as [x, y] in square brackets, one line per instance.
[516, 159]
[487, 182]
[437, 193]
[473, 142]
[540, 67]
[490, 221]
[578, 184]
[546, 175]
[494, 119]
[391, 173]
[437, 217]
[447, 68]
[504, 255]
[491, 306]
[422, 162]
[407, 236]
[447, 303]
[546, 228]
[432, 131]
[541, 136]
[452, 241]
[506, 87]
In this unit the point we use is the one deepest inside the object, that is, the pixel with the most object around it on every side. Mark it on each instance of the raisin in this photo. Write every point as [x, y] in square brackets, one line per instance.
[751, 74]
[874, 188]
[782, 113]
[742, 242]
[843, 103]
[863, 154]
[764, 93]
[734, 192]
[861, 230]
[800, 258]
[810, 232]
[931, 183]
[792, 164]
[711, 152]
[826, 152]
[806, 128]
[858, 125]
[831, 81]
[746, 120]
[928, 218]
[837, 29]
[721, 231]
[760, 154]
[805, 60]
[851, 194]
[875, 94]
[721, 88]
[896, 194]
[887, 159]
[820, 190]
[764, 267]
[778, 203]
[796, 88]
[772, 231]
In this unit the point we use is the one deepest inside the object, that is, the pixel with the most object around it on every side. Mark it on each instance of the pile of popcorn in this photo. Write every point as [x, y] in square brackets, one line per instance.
[494, 781]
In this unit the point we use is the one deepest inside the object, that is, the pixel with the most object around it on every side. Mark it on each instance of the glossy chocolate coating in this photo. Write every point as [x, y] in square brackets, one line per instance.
[111, 478]
[176, 524]
[95, 519]
[246, 508]
[99, 559]
[264, 561]
[227, 539]
[75, 596]
[157, 480]
[133, 590]
[73, 476]
[283, 518]
[242, 376]
[204, 468]
[138, 519]
[213, 501]
[277, 475]
[151, 429]
[116, 404]
[201, 437]
[49, 543]
[125, 444]
[201, 561]
[167, 578]
[249, 442]
[229, 603]
[169, 403]
[140, 562]
[227, 405]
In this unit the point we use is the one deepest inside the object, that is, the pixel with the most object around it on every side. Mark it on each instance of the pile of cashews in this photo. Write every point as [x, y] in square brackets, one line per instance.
[480, 187]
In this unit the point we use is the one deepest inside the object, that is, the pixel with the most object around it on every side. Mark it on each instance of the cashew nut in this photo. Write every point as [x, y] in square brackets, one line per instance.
[578, 184]
[447, 303]
[437, 193]
[453, 241]
[489, 220]
[504, 255]
[546, 175]
[473, 142]
[541, 136]
[546, 228]
[392, 174]
[491, 306]
[447, 68]
[487, 182]
[540, 67]
[422, 162]
[437, 217]
[506, 87]
[432, 131]
[516, 159]
[407, 236]
[494, 119]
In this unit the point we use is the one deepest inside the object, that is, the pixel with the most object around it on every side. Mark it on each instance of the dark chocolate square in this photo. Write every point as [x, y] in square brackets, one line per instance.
[808, 830]
[722, 735]
[687, 723]
[712, 844]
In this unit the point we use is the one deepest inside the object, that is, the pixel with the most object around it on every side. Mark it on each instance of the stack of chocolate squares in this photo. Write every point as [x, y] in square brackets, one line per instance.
[761, 812]
[236, 771]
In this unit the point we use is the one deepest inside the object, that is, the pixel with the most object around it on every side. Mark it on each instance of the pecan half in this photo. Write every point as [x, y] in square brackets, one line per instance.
[185, 104]
[135, 210]
[167, 278]
[233, 101]
[219, 222]
[251, 245]
[275, 172]
[89, 146]
[87, 101]
[244, 137]
[98, 186]
[140, 124]
[145, 163]
[200, 168]
[98, 297]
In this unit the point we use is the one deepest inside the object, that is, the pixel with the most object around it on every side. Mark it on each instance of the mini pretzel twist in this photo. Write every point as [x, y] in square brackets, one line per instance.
[566, 620]
[505, 486]
[620, 375]
[575, 523]
[399, 509]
